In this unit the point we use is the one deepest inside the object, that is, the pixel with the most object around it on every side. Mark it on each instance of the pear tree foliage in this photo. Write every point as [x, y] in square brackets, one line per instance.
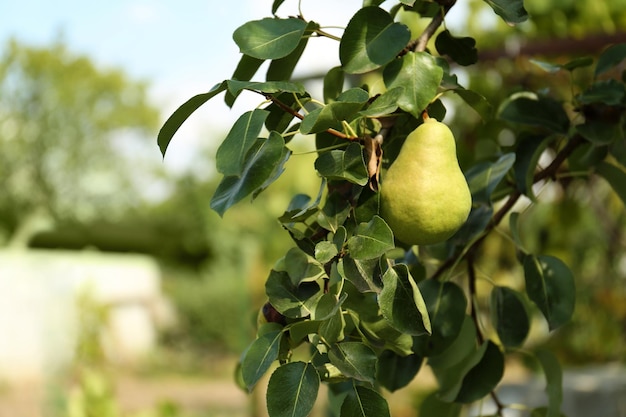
[349, 305]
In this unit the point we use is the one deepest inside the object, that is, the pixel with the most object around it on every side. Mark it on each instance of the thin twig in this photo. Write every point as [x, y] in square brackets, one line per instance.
[419, 44]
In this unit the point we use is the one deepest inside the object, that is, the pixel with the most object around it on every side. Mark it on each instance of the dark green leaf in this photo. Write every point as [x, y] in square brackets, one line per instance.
[361, 272]
[346, 165]
[231, 154]
[331, 329]
[395, 371]
[176, 119]
[246, 68]
[348, 104]
[609, 92]
[419, 75]
[600, 133]
[371, 40]
[484, 177]
[333, 84]
[529, 150]
[512, 11]
[282, 68]
[364, 402]
[432, 406]
[615, 176]
[554, 381]
[509, 316]
[461, 50]
[385, 104]
[446, 304]
[514, 228]
[270, 87]
[276, 5]
[299, 330]
[354, 360]
[259, 357]
[264, 159]
[550, 285]
[290, 300]
[292, 390]
[401, 302]
[610, 58]
[269, 38]
[483, 377]
[371, 240]
[476, 222]
[334, 213]
[528, 109]
[302, 267]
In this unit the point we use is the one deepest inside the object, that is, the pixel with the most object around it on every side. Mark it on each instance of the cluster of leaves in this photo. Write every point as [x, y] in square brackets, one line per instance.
[350, 306]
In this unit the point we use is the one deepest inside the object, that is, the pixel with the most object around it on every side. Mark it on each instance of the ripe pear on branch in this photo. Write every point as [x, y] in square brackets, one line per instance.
[424, 195]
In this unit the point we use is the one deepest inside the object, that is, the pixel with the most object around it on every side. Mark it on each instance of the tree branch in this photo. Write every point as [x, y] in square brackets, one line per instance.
[419, 44]
[294, 113]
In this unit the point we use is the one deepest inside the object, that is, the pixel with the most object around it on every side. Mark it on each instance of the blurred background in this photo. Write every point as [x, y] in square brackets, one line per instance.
[123, 294]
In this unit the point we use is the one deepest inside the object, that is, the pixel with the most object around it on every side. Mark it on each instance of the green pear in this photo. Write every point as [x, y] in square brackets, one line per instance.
[424, 195]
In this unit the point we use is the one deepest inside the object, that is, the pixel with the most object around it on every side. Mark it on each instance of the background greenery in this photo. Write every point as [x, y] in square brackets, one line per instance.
[72, 176]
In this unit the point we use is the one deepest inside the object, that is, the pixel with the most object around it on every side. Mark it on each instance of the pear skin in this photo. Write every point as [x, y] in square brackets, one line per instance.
[424, 195]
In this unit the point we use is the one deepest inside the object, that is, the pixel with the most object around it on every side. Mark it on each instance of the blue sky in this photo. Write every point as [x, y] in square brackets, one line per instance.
[181, 48]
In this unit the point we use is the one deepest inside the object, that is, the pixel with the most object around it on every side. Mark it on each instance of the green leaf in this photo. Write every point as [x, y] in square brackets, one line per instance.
[269, 87]
[282, 68]
[333, 84]
[364, 402]
[354, 360]
[529, 109]
[461, 50]
[246, 68]
[401, 302]
[615, 176]
[569, 66]
[269, 38]
[371, 240]
[609, 92]
[259, 357]
[291, 300]
[263, 162]
[325, 251]
[276, 5]
[419, 75]
[599, 132]
[512, 11]
[483, 377]
[514, 228]
[529, 150]
[360, 273]
[385, 104]
[554, 381]
[550, 285]
[543, 412]
[301, 207]
[299, 330]
[334, 213]
[331, 329]
[371, 40]
[395, 371]
[292, 390]
[343, 165]
[176, 119]
[346, 107]
[302, 267]
[432, 406]
[231, 154]
[446, 305]
[509, 316]
[484, 177]
[610, 58]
